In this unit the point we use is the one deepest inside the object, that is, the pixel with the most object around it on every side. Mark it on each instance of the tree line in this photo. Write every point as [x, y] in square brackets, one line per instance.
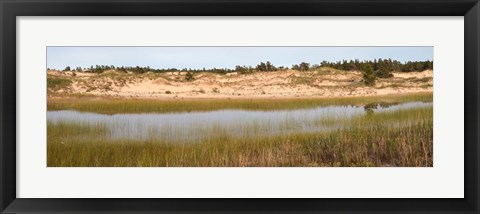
[382, 67]
[380, 64]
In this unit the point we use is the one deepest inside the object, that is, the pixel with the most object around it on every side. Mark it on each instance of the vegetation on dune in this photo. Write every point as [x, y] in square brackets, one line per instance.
[383, 67]
[57, 83]
[189, 76]
[369, 76]
[398, 138]
[113, 105]
[115, 79]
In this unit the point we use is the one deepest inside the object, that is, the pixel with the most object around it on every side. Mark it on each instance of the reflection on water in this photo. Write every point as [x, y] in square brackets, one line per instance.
[202, 125]
[369, 108]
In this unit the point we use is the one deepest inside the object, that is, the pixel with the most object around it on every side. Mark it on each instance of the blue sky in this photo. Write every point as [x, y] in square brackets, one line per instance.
[222, 57]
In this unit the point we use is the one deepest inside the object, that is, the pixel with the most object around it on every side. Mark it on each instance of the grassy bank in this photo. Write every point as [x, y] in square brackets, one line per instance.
[398, 138]
[109, 105]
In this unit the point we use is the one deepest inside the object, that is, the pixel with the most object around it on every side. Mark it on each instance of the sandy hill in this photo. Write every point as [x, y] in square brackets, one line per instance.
[325, 82]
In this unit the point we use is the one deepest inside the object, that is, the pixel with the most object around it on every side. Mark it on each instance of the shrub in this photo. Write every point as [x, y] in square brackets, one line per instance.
[57, 83]
[301, 67]
[168, 92]
[189, 76]
[383, 74]
[369, 77]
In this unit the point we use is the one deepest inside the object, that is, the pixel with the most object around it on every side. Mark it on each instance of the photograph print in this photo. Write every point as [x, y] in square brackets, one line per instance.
[239, 106]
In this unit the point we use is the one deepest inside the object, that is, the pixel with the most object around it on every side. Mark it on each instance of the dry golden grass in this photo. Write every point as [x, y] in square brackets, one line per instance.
[111, 105]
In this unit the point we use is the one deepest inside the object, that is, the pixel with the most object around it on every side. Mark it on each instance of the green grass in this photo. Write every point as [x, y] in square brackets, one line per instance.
[106, 105]
[303, 80]
[398, 138]
[329, 71]
[57, 83]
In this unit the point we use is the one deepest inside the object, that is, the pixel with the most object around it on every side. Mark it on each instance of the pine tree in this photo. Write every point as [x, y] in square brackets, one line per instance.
[369, 77]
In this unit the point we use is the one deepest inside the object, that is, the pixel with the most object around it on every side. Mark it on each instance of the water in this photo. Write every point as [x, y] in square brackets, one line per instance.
[195, 126]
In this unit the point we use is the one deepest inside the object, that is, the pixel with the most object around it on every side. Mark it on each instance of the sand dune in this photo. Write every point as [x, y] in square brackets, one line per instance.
[321, 83]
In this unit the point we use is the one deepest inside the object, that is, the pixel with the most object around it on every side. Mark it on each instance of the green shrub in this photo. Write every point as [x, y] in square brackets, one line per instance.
[383, 74]
[56, 83]
[369, 77]
[189, 76]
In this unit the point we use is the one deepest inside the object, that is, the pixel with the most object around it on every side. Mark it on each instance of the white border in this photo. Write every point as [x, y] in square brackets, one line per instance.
[445, 179]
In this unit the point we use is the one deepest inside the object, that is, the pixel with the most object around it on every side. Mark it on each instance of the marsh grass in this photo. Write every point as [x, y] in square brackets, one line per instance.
[106, 105]
[396, 138]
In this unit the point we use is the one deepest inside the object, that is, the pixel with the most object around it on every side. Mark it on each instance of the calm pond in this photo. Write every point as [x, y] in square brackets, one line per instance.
[193, 126]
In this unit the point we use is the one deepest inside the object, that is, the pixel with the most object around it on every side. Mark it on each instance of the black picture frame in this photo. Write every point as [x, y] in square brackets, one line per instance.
[10, 9]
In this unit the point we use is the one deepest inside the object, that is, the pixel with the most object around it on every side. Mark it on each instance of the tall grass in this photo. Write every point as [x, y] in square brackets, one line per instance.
[112, 105]
[397, 138]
